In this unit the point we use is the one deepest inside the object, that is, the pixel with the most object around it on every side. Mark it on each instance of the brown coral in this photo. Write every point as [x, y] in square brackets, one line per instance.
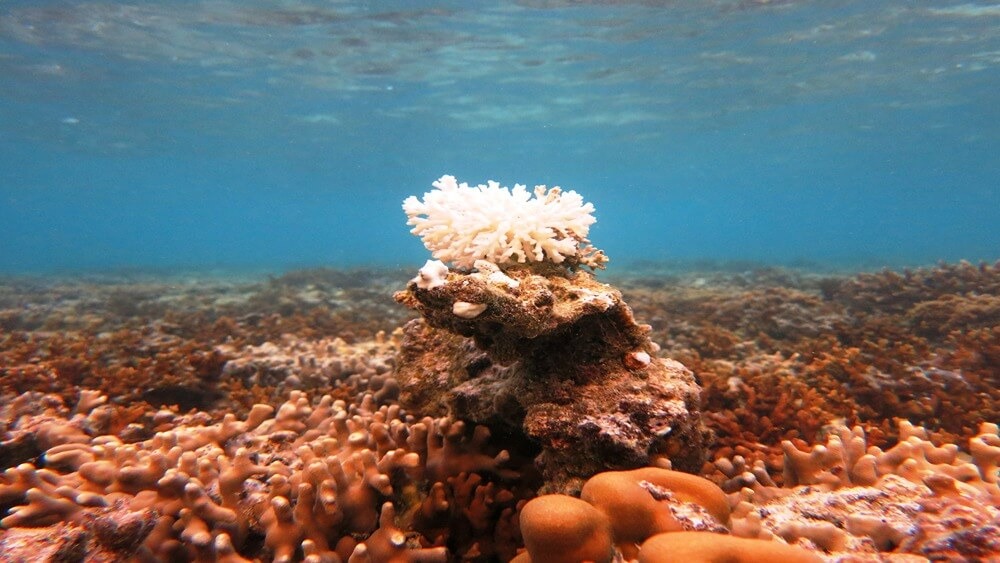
[564, 529]
[701, 547]
[626, 509]
[557, 358]
[276, 484]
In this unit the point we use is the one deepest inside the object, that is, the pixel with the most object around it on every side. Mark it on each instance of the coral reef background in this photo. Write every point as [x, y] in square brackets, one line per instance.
[191, 417]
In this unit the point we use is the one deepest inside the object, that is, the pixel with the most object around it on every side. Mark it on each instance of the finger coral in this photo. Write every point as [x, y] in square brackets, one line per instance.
[321, 477]
[460, 224]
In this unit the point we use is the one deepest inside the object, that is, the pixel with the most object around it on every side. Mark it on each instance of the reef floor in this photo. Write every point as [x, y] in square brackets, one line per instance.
[191, 417]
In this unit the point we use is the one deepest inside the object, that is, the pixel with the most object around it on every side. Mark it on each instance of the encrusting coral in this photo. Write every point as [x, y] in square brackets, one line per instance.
[699, 547]
[540, 350]
[847, 497]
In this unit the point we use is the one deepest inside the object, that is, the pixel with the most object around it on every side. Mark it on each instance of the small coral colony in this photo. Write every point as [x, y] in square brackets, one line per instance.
[507, 406]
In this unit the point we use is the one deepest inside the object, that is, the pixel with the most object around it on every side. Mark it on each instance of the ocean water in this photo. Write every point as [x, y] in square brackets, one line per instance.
[273, 135]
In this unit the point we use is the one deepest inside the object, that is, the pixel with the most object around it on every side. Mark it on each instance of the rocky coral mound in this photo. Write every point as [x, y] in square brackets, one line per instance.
[554, 356]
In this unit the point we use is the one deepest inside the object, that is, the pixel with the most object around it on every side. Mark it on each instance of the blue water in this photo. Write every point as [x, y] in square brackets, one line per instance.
[251, 134]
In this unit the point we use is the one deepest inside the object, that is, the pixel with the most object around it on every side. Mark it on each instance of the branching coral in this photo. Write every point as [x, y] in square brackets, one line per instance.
[780, 363]
[461, 224]
[316, 477]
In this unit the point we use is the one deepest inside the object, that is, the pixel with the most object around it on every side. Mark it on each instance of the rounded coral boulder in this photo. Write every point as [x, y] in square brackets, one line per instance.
[706, 547]
[564, 529]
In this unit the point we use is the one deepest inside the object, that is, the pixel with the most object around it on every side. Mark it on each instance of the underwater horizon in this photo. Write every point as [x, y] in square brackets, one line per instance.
[265, 136]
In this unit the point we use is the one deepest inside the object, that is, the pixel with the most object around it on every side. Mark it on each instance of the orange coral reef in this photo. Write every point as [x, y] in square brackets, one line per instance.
[217, 420]
[780, 355]
[321, 479]
[157, 342]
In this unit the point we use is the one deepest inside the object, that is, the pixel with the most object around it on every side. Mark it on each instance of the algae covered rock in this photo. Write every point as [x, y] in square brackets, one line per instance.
[554, 355]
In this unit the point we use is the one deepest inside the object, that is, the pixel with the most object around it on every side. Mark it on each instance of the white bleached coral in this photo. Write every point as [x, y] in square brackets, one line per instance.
[461, 224]
[433, 274]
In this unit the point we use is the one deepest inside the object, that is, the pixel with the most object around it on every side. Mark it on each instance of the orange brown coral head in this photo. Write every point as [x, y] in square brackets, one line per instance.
[705, 547]
[634, 501]
[564, 529]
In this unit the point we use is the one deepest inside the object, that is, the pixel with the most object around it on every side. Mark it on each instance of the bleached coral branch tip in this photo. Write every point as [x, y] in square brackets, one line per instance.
[460, 224]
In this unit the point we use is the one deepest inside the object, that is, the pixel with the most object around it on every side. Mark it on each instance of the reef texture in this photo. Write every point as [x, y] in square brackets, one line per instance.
[858, 502]
[556, 358]
[780, 354]
[227, 420]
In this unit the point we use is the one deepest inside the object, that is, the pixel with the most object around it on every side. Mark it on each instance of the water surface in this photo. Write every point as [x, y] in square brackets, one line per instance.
[283, 134]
